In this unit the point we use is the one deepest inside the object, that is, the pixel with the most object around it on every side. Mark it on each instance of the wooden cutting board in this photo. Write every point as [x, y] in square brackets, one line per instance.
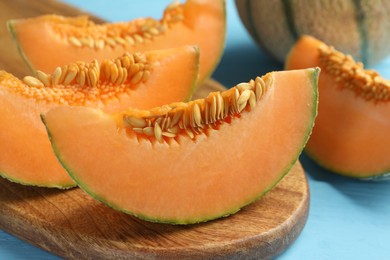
[72, 225]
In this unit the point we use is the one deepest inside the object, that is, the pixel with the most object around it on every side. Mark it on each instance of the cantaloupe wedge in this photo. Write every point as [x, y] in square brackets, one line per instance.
[139, 80]
[351, 133]
[50, 40]
[189, 162]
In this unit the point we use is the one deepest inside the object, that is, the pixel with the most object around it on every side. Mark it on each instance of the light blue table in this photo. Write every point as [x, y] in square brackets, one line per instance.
[348, 219]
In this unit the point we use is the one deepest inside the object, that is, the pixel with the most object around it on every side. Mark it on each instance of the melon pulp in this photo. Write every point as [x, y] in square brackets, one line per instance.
[50, 40]
[189, 162]
[167, 76]
[359, 28]
[350, 136]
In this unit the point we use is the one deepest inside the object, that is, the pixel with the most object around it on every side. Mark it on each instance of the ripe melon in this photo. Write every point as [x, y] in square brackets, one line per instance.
[359, 28]
[48, 41]
[351, 134]
[141, 80]
[189, 162]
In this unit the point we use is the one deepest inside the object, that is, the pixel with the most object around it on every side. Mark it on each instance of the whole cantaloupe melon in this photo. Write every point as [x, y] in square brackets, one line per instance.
[358, 28]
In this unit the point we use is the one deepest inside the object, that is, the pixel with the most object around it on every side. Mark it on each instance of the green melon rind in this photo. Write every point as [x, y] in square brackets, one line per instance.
[57, 186]
[234, 209]
[376, 176]
[12, 31]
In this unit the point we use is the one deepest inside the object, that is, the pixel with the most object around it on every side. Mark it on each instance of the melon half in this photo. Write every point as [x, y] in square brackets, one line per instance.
[51, 40]
[142, 80]
[189, 162]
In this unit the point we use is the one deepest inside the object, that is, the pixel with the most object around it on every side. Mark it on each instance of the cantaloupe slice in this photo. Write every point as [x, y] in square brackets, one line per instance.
[140, 80]
[50, 40]
[351, 134]
[189, 162]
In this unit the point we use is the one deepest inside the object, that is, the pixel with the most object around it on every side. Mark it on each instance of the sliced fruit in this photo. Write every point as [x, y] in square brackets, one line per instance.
[359, 28]
[65, 39]
[189, 162]
[139, 80]
[350, 136]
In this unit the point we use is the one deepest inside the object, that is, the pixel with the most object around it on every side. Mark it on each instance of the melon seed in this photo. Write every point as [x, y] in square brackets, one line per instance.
[157, 131]
[92, 77]
[130, 40]
[81, 78]
[252, 100]
[135, 122]
[87, 42]
[55, 77]
[244, 97]
[213, 110]
[114, 73]
[137, 77]
[138, 130]
[220, 106]
[148, 130]
[189, 133]
[74, 41]
[120, 40]
[44, 78]
[242, 86]
[70, 76]
[32, 82]
[99, 44]
[110, 41]
[196, 115]
[64, 71]
[168, 134]
[138, 38]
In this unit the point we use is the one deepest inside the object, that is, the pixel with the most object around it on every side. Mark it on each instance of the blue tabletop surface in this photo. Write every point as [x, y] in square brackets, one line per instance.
[349, 219]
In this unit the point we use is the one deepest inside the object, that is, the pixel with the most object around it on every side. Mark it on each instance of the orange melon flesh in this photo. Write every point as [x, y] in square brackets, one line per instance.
[28, 157]
[45, 42]
[350, 136]
[185, 180]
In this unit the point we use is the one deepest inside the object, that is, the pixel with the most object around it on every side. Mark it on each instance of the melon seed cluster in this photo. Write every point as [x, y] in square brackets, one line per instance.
[79, 82]
[352, 75]
[195, 117]
[124, 34]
